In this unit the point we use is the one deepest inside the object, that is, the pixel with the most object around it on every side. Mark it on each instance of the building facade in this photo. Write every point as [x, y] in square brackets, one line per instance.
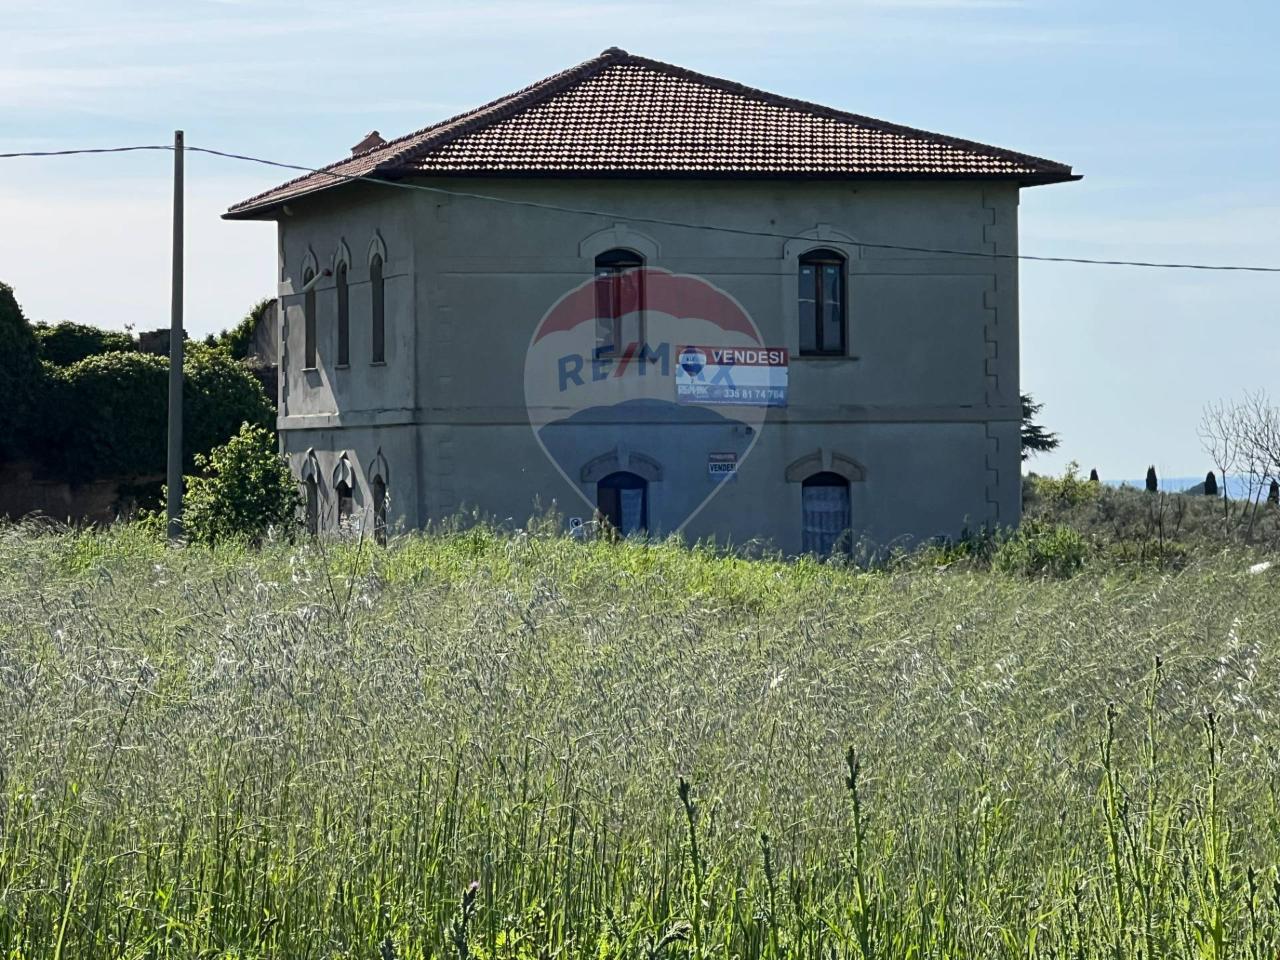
[427, 367]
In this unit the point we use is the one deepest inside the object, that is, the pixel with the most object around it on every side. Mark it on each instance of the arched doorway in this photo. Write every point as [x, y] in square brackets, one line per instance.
[825, 506]
[623, 500]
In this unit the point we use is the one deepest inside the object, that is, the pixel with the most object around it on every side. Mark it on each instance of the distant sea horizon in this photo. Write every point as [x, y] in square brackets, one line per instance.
[1237, 487]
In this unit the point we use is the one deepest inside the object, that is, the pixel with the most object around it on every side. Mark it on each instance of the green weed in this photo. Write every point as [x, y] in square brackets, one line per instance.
[500, 746]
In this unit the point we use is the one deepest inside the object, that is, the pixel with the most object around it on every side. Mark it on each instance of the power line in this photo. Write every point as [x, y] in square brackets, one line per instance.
[722, 229]
[658, 221]
[69, 153]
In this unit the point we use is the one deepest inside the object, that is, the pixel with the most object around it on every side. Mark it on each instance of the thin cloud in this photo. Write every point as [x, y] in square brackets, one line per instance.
[945, 4]
[95, 251]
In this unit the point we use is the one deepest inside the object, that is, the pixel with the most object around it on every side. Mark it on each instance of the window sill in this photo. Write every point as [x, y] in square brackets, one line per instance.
[342, 366]
[377, 363]
[310, 369]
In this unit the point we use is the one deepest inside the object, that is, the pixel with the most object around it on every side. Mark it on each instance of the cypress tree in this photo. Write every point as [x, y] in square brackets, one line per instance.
[1152, 482]
[1273, 495]
[1210, 484]
[1035, 438]
[1093, 475]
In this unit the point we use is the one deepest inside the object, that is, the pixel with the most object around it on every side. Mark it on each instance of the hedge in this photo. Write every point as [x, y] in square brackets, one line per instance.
[107, 415]
[63, 344]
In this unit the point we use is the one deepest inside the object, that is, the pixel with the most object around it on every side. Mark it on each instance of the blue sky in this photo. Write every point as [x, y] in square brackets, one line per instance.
[1168, 109]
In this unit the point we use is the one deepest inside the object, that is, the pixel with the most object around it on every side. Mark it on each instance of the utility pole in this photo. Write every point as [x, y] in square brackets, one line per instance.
[174, 471]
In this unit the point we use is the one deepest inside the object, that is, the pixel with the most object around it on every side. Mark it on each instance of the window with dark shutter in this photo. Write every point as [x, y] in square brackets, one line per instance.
[309, 321]
[619, 303]
[377, 319]
[822, 308]
[344, 316]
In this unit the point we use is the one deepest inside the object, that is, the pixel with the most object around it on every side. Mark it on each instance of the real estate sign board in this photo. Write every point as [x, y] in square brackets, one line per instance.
[732, 376]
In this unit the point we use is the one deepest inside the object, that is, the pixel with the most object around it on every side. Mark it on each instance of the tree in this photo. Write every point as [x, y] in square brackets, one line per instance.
[1260, 433]
[19, 372]
[243, 491]
[1243, 438]
[239, 338]
[1211, 484]
[1219, 438]
[1153, 482]
[221, 393]
[1035, 438]
[1093, 475]
[63, 344]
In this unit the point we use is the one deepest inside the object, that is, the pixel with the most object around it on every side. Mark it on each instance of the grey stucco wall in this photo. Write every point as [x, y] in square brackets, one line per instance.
[924, 404]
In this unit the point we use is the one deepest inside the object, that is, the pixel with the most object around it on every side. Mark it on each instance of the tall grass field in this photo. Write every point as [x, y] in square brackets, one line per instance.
[514, 746]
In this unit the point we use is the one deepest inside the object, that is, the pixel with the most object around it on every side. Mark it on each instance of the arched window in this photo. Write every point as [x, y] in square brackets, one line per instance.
[623, 500]
[619, 303]
[377, 318]
[313, 506]
[379, 511]
[344, 316]
[822, 319]
[825, 507]
[346, 502]
[309, 320]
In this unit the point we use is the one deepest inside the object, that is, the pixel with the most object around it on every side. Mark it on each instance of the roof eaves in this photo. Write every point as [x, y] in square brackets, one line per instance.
[1024, 177]
[398, 153]
[267, 206]
[267, 211]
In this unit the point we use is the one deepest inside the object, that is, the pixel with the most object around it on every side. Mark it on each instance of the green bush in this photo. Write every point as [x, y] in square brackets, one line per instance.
[63, 344]
[108, 415]
[1167, 554]
[1042, 549]
[239, 338]
[972, 549]
[246, 490]
[1069, 490]
[1164, 528]
[221, 394]
[19, 372]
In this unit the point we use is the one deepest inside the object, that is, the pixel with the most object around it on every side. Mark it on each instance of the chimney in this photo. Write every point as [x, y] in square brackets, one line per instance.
[371, 140]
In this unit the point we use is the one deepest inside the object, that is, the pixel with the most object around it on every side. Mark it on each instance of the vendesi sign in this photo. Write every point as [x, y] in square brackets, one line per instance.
[732, 376]
[722, 465]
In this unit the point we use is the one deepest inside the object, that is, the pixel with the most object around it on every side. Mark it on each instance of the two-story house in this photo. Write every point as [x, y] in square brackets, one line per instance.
[673, 301]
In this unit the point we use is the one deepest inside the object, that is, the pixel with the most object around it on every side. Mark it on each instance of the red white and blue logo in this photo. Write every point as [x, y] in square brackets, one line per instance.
[654, 364]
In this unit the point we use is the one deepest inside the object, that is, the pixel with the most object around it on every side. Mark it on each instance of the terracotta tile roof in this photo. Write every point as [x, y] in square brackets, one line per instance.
[619, 115]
